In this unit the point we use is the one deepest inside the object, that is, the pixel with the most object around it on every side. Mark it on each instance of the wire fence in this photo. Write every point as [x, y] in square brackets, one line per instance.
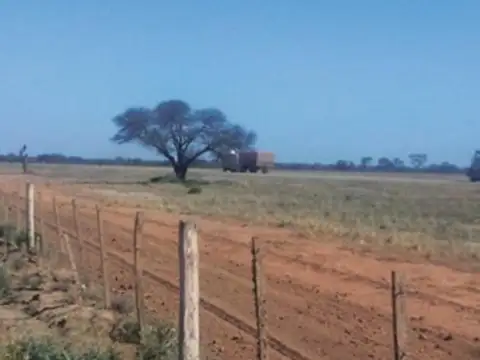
[112, 259]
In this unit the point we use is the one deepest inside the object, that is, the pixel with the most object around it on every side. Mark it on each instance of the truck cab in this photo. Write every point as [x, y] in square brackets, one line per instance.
[230, 161]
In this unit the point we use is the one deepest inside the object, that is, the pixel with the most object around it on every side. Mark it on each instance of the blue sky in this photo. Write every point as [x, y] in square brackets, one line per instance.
[318, 80]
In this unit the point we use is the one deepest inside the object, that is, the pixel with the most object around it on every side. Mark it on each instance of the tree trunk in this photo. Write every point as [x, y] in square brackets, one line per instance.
[180, 172]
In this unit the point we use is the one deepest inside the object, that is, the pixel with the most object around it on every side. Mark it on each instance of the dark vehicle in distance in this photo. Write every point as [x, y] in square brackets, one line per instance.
[473, 171]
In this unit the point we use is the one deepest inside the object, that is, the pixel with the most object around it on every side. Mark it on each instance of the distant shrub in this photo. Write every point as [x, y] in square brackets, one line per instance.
[194, 190]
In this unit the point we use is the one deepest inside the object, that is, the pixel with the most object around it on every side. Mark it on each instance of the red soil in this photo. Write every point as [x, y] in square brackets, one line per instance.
[323, 301]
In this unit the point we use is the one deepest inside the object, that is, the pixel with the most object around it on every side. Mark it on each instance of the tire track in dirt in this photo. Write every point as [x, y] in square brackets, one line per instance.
[321, 268]
[214, 306]
[280, 250]
[276, 343]
[157, 300]
[284, 303]
[444, 349]
[295, 285]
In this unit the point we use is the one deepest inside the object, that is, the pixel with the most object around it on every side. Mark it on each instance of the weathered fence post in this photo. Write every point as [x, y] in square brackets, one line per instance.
[7, 237]
[58, 228]
[18, 211]
[399, 321]
[41, 225]
[6, 204]
[259, 300]
[73, 265]
[30, 218]
[77, 232]
[189, 334]
[103, 259]
[138, 266]
[3, 204]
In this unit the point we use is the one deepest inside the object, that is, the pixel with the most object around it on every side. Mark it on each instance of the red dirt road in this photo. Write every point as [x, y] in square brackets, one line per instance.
[323, 302]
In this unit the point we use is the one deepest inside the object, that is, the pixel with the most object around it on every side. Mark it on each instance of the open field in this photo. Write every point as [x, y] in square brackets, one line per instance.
[324, 300]
[423, 212]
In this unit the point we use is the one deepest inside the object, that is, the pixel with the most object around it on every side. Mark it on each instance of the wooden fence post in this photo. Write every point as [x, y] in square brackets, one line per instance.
[138, 266]
[73, 265]
[30, 218]
[399, 320]
[6, 203]
[57, 224]
[189, 334]
[259, 299]
[41, 225]
[18, 213]
[4, 206]
[103, 259]
[77, 232]
[7, 220]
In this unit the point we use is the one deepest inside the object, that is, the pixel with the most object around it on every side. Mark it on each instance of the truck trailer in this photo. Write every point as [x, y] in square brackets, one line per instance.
[252, 161]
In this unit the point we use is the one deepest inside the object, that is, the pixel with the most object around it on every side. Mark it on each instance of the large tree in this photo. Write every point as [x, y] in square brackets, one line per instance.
[180, 134]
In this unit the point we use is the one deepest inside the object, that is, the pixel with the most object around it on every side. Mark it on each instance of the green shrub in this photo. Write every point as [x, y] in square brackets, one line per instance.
[46, 349]
[21, 238]
[159, 339]
[7, 232]
[5, 284]
[123, 304]
[159, 343]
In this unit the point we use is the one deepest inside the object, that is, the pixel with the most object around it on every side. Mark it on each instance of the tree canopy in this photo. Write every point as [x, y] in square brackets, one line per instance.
[181, 134]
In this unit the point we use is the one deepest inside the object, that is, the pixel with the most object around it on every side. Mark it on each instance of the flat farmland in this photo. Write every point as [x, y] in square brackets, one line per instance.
[428, 213]
[331, 241]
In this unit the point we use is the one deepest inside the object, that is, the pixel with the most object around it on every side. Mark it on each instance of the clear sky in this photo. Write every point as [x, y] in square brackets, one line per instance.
[318, 80]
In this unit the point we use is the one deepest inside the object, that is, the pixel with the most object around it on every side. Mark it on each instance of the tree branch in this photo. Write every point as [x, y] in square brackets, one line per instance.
[197, 155]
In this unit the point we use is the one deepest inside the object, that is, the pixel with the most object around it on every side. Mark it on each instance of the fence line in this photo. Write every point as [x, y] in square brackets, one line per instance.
[190, 297]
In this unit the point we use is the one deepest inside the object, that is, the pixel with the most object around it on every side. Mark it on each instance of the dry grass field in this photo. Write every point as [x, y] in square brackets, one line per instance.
[423, 212]
[327, 291]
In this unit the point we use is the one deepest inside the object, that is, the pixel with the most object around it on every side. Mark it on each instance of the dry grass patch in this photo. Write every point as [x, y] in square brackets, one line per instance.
[123, 304]
[423, 212]
[419, 214]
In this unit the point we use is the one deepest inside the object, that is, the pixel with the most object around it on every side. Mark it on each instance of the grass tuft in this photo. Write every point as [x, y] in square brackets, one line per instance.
[158, 341]
[47, 349]
[5, 282]
[123, 304]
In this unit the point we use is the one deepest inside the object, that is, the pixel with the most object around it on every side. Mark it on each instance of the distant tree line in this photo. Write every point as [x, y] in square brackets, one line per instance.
[416, 163]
